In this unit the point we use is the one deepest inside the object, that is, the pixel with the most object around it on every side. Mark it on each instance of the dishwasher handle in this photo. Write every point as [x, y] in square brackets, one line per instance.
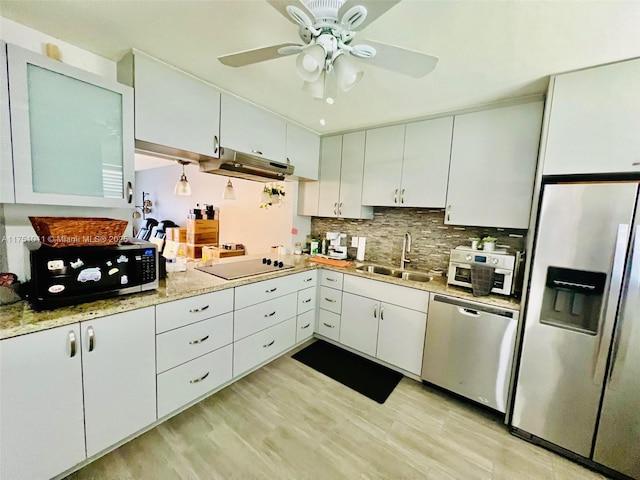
[473, 309]
[468, 312]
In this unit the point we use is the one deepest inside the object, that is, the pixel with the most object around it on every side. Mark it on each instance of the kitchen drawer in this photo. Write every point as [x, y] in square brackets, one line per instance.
[329, 278]
[265, 290]
[263, 315]
[193, 309]
[329, 324]
[183, 344]
[306, 279]
[331, 299]
[386, 292]
[189, 381]
[305, 324]
[261, 346]
[307, 299]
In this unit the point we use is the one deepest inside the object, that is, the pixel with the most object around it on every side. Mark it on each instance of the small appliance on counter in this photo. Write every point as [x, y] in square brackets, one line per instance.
[466, 262]
[337, 245]
[71, 275]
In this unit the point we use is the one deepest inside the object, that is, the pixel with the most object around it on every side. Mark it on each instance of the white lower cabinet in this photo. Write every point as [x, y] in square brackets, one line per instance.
[187, 382]
[119, 376]
[329, 324]
[258, 317]
[41, 409]
[359, 323]
[304, 325]
[260, 347]
[401, 337]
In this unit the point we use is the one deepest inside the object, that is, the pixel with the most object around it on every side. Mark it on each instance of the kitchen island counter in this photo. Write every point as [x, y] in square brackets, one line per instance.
[20, 318]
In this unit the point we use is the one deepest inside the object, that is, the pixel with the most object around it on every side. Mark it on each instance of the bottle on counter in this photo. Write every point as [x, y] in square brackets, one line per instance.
[324, 246]
[313, 249]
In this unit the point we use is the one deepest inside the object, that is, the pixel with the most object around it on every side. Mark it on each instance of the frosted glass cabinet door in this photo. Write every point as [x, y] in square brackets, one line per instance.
[72, 134]
[6, 165]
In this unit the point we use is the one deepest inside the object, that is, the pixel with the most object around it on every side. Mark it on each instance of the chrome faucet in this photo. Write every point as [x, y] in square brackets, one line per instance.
[406, 248]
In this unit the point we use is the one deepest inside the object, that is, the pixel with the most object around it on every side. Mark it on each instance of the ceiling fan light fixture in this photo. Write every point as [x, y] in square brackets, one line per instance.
[346, 72]
[310, 63]
[316, 89]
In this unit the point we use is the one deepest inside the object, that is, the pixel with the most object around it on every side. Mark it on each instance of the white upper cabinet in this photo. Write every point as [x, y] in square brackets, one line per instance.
[341, 168]
[594, 121]
[6, 161]
[408, 165]
[493, 163]
[250, 129]
[172, 108]
[72, 134]
[303, 152]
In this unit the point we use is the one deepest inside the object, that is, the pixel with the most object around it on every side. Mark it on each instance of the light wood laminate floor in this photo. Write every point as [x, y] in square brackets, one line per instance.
[287, 421]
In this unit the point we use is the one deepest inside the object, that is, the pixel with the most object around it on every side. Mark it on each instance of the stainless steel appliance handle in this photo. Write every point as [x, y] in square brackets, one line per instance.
[200, 340]
[468, 312]
[72, 344]
[92, 342]
[634, 280]
[196, 310]
[198, 380]
[613, 297]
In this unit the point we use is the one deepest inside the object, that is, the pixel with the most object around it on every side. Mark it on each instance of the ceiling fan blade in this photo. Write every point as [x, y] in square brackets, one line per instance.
[281, 6]
[257, 55]
[375, 8]
[401, 60]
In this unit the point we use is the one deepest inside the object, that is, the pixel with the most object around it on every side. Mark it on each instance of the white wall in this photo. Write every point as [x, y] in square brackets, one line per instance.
[241, 220]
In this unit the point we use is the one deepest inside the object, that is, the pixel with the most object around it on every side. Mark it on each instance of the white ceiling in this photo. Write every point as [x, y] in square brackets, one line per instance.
[489, 50]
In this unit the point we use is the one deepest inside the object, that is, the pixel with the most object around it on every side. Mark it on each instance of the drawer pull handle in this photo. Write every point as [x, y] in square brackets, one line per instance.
[257, 152]
[635, 164]
[271, 290]
[307, 279]
[267, 315]
[198, 380]
[195, 342]
[92, 340]
[327, 325]
[306, 326]
[329, 300]
[306, 301]
[331, 279]
[201, 309]
[72, 344]
[269, 344]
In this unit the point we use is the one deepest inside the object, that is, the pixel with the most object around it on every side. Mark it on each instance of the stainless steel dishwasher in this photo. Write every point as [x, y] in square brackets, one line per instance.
[469, 349]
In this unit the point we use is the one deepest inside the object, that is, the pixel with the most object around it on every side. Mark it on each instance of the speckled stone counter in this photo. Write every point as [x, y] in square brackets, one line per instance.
[20, 319]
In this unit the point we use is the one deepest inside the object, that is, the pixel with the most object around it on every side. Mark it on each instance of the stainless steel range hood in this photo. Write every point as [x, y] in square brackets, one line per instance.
[243, 165]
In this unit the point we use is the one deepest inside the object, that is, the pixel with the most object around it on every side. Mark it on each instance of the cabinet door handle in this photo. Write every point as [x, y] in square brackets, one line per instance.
[448, 213]
[306, 301]
[198, 380]
[195, 342]
[196, 310]
[129, 192]
[216, 144]
[327, 325]
[72, 344]
[340, 209]
[257, 152]
[92, 341]
[375, 311]
[267, 315]
[335, 208]
[402, 196]
[271, 290]
[381, 313]
[395, 196]
[329, 300]
[269, 344]
[306, 326]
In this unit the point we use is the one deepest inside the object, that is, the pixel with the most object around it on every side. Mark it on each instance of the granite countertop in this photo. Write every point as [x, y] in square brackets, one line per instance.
[19, 319]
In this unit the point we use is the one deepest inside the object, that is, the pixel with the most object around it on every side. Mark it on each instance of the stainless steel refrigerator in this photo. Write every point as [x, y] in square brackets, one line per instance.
[578, 385]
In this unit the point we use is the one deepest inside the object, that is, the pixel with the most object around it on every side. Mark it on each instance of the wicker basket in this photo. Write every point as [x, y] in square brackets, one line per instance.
[78, 231]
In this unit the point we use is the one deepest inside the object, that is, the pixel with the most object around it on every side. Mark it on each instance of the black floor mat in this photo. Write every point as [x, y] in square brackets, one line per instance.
[362, 375]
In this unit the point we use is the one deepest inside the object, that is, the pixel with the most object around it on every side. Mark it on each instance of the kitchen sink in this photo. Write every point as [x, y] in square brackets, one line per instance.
[395, 272]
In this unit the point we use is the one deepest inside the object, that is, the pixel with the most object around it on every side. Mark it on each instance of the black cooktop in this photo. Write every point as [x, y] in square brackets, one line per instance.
[245, 268]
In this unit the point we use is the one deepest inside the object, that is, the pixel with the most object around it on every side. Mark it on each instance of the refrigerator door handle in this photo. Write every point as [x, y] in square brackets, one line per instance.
[613, 297]
[634, 280]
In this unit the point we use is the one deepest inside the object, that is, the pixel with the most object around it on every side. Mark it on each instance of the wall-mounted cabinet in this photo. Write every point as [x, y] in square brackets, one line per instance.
[72, 134]
[594, 121]
[408, 165]
[6, 161]
[303, 152]
[493, 163]
[250, 129]
[341, 169]
[172, 108]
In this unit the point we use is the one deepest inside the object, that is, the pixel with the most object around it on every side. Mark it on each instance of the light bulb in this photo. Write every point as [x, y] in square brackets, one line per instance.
[309, 63]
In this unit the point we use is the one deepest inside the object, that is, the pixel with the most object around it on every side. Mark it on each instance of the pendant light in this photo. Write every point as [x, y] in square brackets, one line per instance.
[182, 187]
[229, 193]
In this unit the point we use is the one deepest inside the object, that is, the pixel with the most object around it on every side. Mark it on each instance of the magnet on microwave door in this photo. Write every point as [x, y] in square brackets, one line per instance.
[55, 264]
[56, 288]
[88, 274]
[77, 264]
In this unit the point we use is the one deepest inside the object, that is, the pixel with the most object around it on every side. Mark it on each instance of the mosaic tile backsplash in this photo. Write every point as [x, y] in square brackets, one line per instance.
[432, 240]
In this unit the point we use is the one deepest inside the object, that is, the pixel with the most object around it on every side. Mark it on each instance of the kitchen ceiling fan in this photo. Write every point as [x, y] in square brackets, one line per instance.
[328, 29]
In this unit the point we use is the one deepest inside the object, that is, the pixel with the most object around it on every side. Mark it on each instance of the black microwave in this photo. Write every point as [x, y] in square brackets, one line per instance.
[70, 275]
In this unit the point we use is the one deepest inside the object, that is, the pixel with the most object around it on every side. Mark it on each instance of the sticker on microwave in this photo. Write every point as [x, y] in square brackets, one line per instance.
[113, 271]
[109, 263]
[123, 259]
[124, 280]
[55, 264]
[56, 288]
[90, 274]
[77, 264]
